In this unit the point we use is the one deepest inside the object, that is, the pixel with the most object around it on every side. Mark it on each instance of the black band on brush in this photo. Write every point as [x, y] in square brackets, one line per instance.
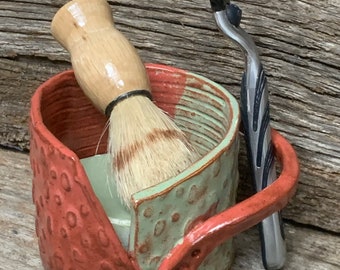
[124, 96]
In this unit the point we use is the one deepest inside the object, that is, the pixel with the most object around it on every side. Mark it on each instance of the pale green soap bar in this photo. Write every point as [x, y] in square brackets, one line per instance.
[97, 170]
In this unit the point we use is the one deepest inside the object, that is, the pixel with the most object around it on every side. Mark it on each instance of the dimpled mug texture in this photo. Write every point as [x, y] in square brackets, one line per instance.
[71, 223]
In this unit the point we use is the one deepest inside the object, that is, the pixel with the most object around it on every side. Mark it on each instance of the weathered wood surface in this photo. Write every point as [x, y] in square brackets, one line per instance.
[307, 248]
[299, 44]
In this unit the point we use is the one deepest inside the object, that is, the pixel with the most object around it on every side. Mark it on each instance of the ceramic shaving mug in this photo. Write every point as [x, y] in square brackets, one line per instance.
[181, 223]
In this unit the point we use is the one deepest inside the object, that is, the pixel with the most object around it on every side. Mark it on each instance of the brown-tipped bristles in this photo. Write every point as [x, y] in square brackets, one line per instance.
[146, 146]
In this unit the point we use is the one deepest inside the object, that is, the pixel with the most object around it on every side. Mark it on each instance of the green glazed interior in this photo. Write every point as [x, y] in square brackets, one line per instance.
[96, 168]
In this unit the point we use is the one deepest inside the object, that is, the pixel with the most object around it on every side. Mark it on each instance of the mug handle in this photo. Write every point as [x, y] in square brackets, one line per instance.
[199, 242]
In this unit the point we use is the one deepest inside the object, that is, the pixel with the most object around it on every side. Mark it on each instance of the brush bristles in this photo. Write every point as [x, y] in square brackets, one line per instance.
[146, 146]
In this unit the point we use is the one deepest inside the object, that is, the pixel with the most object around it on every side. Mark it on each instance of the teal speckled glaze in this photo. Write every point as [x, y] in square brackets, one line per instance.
[164, 213]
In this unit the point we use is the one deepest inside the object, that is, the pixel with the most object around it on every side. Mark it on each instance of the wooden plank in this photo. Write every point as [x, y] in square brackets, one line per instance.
[307, 248]
[299, 44]
[18, 244]
[19, 79]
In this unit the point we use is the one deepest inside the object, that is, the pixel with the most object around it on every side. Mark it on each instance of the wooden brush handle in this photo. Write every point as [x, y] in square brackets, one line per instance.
[106, 65]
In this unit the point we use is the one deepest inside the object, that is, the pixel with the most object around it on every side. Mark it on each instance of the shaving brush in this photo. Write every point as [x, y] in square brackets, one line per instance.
[146, 145]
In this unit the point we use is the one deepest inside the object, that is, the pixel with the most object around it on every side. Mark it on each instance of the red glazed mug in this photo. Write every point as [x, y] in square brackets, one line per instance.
[73, 229]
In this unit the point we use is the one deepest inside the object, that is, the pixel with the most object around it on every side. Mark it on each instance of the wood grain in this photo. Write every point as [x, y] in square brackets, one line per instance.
[299, 44]
[308, 249]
